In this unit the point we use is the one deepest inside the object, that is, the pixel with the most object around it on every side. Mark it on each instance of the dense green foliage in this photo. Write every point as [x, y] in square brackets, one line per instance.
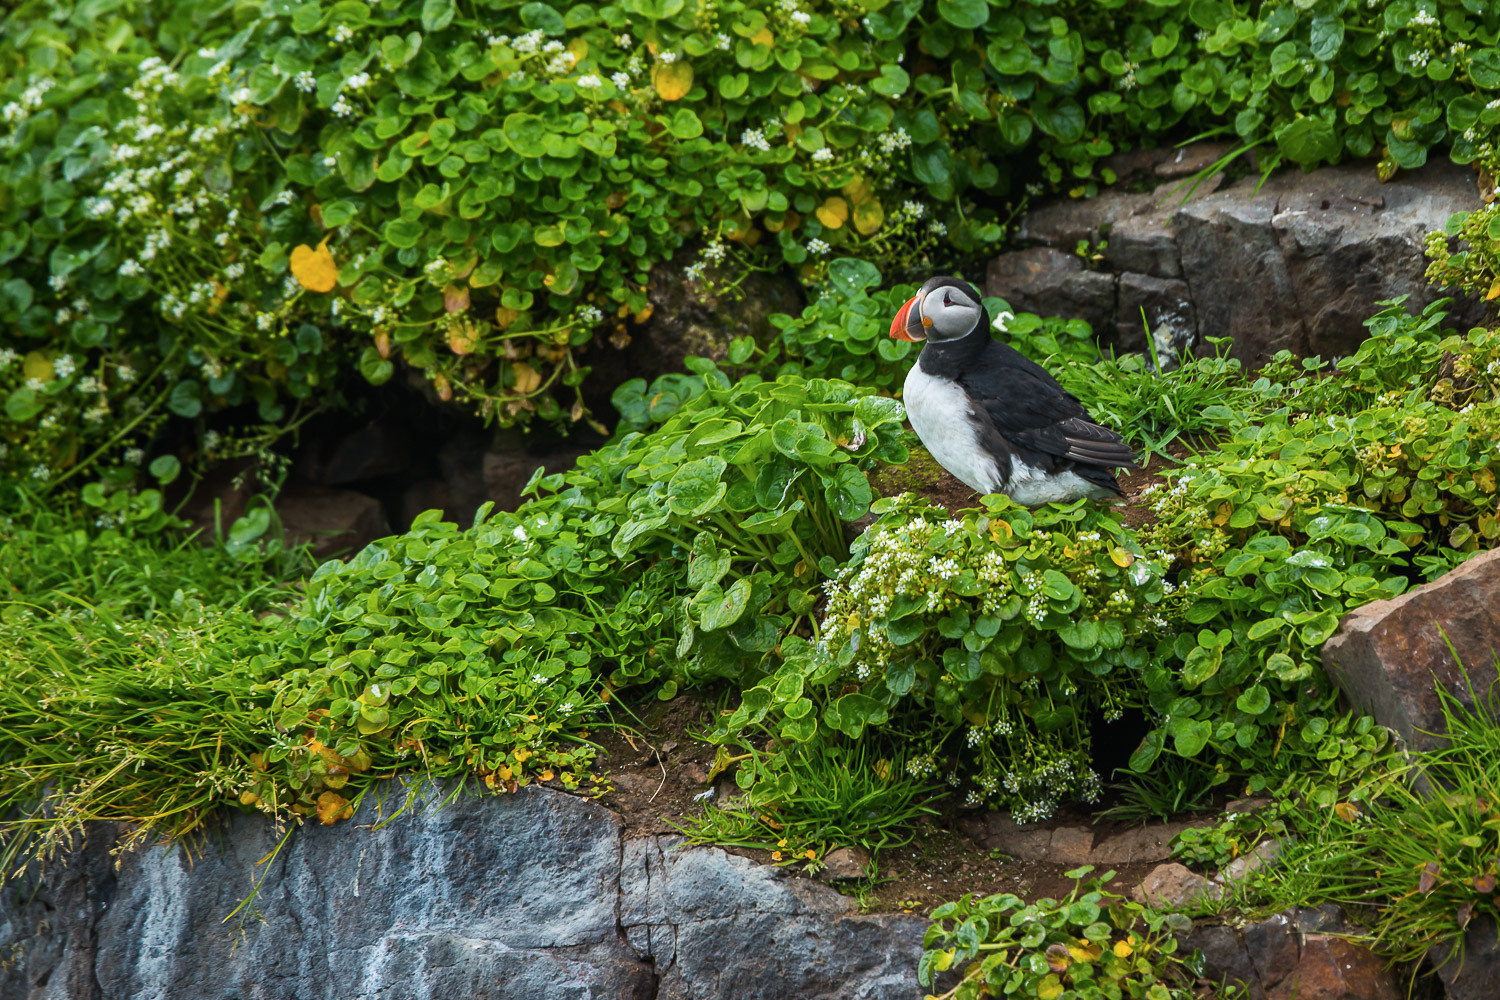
[678, 557]
[1000, 639]
[1092, 943]
[478, 191]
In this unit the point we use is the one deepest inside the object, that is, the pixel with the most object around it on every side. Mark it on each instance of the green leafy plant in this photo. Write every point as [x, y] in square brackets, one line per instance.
[1413, 844]
[1091, 943]
[479, 193]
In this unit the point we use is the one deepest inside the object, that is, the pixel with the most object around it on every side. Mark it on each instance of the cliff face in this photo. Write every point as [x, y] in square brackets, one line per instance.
[534, 895]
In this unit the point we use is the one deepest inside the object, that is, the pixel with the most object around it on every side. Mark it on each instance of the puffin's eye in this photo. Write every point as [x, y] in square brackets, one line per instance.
[947, 299]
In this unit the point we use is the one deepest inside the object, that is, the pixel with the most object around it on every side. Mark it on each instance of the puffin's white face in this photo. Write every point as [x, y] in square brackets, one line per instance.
[946, 309]
[952, 312]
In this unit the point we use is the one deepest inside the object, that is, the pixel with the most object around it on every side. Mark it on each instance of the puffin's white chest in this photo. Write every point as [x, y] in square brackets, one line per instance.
[942, 416]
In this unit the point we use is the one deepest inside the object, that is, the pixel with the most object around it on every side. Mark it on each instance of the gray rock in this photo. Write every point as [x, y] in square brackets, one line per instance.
[1239, 280]
[1052, 283]
[1473, 974]
[1389, 656]
[531, 895]
[1168, 311]
[1296, 263]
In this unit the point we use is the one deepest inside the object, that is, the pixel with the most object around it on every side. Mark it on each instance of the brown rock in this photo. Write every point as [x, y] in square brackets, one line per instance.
[1387, 655]
[506, 473]
[1050, 282]
[844, 863]
[1175, 885]
[1022, 841]
[1192, 159]
[1139, 845]
[1331, 968]
[335, 521]
[1145, 243]
[1071, 845]
[424, 495]
[1350, 241]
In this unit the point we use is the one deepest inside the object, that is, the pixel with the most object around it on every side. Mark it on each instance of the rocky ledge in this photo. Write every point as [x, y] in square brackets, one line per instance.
[538, 894]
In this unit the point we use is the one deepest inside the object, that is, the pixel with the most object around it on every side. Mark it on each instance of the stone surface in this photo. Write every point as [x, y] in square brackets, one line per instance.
[1138, 844]
[1297, 264]
[1296, 955]
[844, 863]
[1175, 885]
[533, 895]
[379, 448]
[1075, 845]
[335, 521]
[1168, 310]
[1051, 282]
[1262, 854]
[1387, 655]
[1474, 974]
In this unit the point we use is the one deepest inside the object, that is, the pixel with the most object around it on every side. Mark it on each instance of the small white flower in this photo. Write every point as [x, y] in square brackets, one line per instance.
[817, 247]
[754, 138]
[668, 57]
[823, 155]
[134, 456]
[621, 81]
[342, 33]
[64, 366]
[801, 17]
[519, 533]
[624, 41]
[305, 82]
[590, 82]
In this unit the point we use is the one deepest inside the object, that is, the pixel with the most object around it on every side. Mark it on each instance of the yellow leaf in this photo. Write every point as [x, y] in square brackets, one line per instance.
[1085, 952]
[333, 807]
[1494, 291]
[249, 798]
[672, 80]
[526, 378]
[579, 47]
[883, 769]
[1348, 811]
[763, 37]
[868, 216]
[1049, 988]
[858, 190]
[944, 960]
[315, 269]
[775, 855]
[834, 212]
[1122, 949]
[505, 316]
[1120, 557]
[37, 366]
[383, 344]
[546, 775]
[1225, 509]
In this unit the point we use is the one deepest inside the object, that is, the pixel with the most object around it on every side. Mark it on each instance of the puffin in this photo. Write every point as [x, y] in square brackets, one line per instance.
[992, 416]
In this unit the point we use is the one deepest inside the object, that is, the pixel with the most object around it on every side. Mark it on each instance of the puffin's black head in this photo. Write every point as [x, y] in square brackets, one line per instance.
[944, 309]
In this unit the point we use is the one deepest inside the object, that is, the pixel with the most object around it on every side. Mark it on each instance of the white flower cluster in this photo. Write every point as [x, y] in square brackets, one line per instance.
[31, 99]
[755, 139]
[891, 142]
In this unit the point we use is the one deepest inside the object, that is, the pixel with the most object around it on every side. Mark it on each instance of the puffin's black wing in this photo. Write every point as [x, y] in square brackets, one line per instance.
[1031, 411]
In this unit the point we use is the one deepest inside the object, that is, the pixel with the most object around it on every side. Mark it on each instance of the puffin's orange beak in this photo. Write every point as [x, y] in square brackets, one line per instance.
[909, 323]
